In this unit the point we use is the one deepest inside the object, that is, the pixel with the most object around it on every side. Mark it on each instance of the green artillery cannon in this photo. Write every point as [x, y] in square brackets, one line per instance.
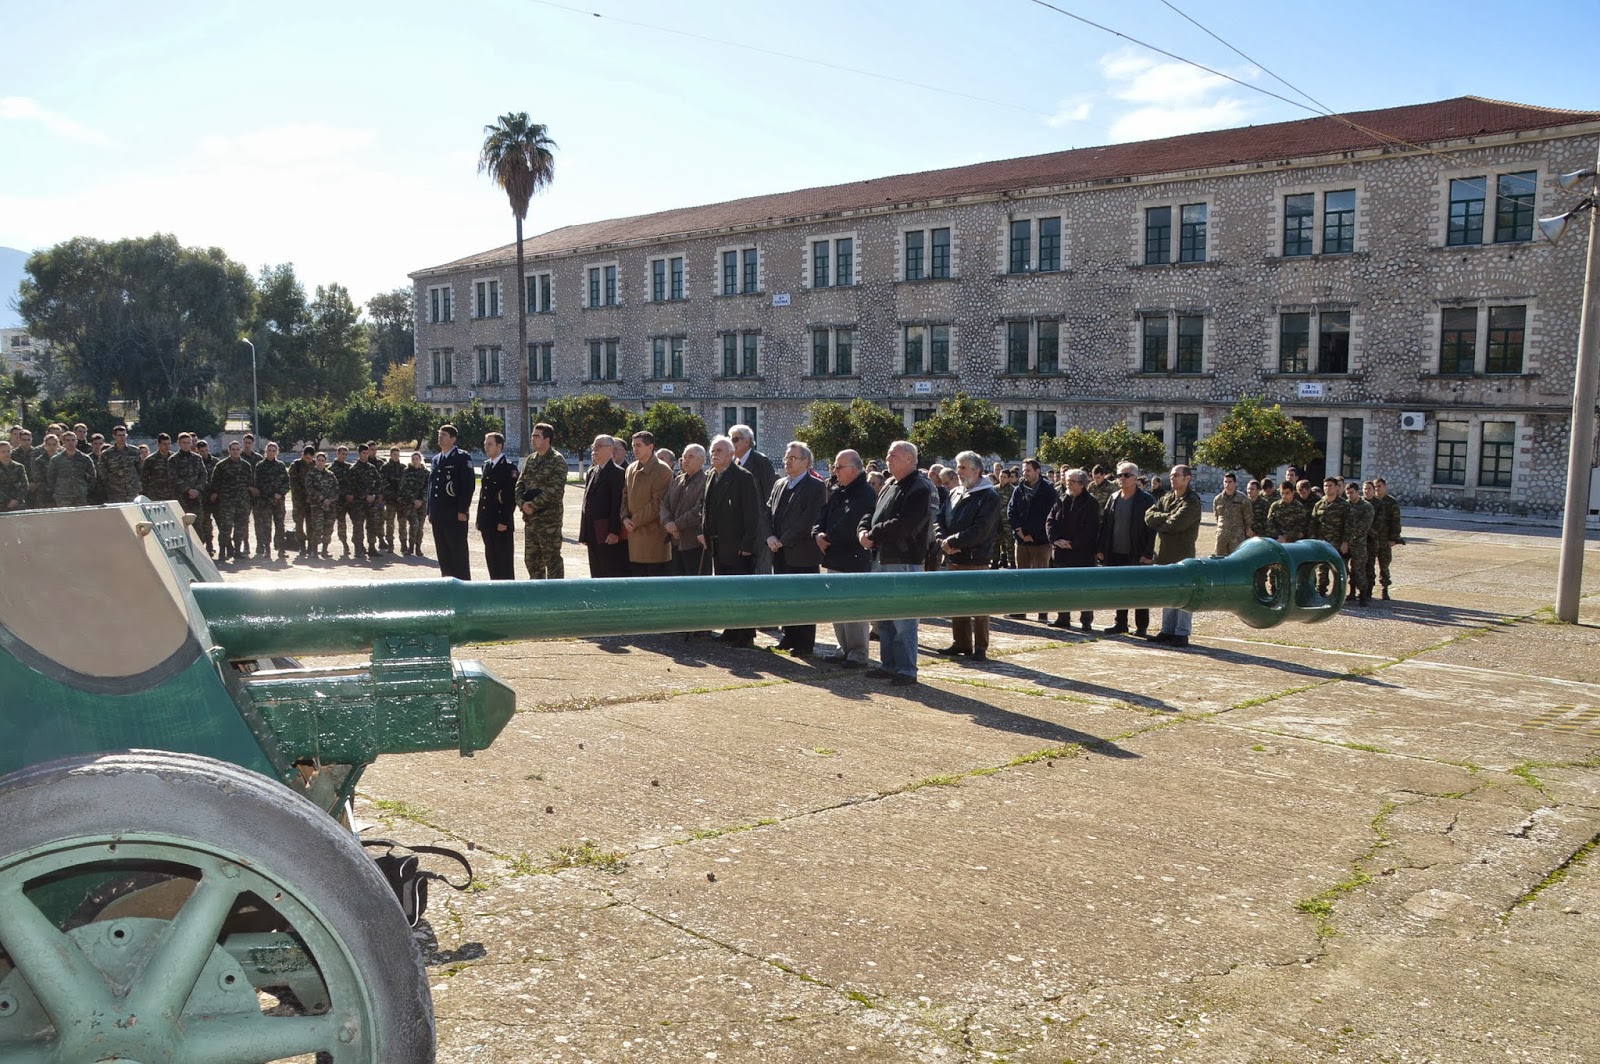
[175, 882]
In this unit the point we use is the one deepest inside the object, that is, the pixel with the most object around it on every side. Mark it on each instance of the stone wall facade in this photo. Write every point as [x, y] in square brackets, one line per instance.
[1399, 283]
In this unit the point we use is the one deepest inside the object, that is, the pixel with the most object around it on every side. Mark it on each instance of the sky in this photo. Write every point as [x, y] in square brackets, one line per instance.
[343, 136]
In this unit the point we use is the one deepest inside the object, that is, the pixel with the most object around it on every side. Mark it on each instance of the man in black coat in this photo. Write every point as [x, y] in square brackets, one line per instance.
[1124, 537]
[966, 539]
[759, 466]
[897, 533]
[1073, 529]
[496, 503]
[850, 500]
[600, 521]
[794, 504]
[1030, 505]
[450, 486]
[730, 519]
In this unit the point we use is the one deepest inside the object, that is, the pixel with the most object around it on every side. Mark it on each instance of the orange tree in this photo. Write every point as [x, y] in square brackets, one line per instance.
[1257, 438]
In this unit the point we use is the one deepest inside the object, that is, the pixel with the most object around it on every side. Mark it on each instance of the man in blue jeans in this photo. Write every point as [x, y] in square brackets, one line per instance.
[897, 533]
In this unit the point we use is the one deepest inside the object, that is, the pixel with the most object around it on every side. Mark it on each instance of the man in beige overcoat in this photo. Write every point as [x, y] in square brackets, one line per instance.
[648, 478]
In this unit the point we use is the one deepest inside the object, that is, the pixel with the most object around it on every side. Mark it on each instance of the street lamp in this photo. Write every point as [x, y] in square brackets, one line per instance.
[1585, 383]
[255, 404]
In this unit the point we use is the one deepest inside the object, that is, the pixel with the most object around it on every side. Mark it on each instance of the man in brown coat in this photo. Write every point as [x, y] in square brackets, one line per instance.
[645, 488]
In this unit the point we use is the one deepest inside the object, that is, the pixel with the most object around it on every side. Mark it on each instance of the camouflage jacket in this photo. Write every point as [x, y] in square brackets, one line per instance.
[297, 473]
[363, 480]
[1328, 518]
[13, 486]
[414, 485]
[70, 478]
[155, 477]
[121, 470]
[393, 470]
[188, 472]
[1358, 523]
[1234, 517]
[272, 478]
[1102, 491]
[1260, 507]
[341, 473]
[1005, 491]
[231, 482]
[1288, 520]
[322, 487]
[1386, 519]
[543, 483]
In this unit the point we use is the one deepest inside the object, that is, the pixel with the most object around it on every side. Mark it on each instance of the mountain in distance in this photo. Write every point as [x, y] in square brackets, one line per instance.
[11, 272]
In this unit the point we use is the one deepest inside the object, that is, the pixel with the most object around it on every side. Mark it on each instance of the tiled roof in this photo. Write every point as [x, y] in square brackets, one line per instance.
[1414, 124]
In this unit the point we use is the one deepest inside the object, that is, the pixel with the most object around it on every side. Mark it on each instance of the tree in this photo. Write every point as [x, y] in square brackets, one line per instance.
[965, 424]
[175, 415]
[864, 427]
[400, 382]
[297, 422]
[280, 329]
[75, 407]
[393, 332]
[517, 156]
[412, 421]
[364, 417]
[1084, 448]
[1258, 439]
[336, 346]
[673, 427]
[578, 419]
[23, 389]
[474, 423]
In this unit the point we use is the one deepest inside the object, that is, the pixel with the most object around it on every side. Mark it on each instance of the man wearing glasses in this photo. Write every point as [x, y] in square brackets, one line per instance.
[1125, 539]
[795, 501]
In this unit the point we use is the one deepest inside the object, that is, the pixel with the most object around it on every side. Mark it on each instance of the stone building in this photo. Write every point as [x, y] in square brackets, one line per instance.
[1380, 275]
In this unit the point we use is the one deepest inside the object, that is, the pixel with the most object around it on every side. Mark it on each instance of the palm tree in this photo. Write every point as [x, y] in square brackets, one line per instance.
[517, 156]
[24, 388]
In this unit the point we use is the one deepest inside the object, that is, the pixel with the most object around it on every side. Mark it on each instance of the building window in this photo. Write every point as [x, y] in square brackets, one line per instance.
[488, 365]
[1018, 421]
[1185, 431]
[1515, 200]
[1505, 332]
[927, 254]
[1157, 236]
[1299, 224]
[1294, 343]
[441, 308]
[603, 286]
[833, 351]
[1450, 454]
[925, 349]
[919, 414]
[1154, 344]
[540, 362]
[666, 358]
[443, 365]
[1351, 446]
[1046, 423]
[486, 299]
[833, 262]
[741, 354]
[603, 360]
[666, 279]
[1033, 346]
[741, 271]
[1028, 234]
[1331, 351]
[1339, 222]
[1191, 342]
[539, 293]
[1333, 341]
[1192, 233]
[1154, 425]
[731, 417]
[1498, 454]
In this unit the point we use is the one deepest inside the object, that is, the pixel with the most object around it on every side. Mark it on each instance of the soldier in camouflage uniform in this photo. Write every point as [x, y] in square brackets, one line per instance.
[155, 473]
[206, 520]
[323, 498]
[1005, 544]
[13, 481]
[1328, 519]
[413, 505]
[1260, 494]
[1233, 515]
[1386, 531]
[393, 470]
[1358, 526]
[541, 493]
[297, 485]
[1101, 486]
[120, 468]
[96, 450]
[1289, 517]
[231, 482]
[190, 483]
[340, 468]
[363, 485]
[39, 471]
[374, 513]
[272, 488]
[70, 477]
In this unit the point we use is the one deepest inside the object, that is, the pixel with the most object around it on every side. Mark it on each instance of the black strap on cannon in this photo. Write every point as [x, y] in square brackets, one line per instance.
[408, 878]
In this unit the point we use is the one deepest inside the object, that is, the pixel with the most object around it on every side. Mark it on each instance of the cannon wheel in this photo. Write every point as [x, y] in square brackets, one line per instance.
[168, 987]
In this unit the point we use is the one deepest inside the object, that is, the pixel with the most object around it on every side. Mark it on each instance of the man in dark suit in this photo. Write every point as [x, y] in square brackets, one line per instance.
[794, 503]
[495, 506]
[450, 486]
[759, 466]
[729, 522]
[851, 499]
[600, 521]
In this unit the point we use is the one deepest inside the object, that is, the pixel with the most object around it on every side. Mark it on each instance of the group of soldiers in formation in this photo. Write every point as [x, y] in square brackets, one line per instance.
[368, 498]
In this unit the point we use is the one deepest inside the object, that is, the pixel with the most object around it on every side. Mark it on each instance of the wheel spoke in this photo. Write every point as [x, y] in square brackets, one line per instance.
[258, 1039]
[169, 975]
[57, 972]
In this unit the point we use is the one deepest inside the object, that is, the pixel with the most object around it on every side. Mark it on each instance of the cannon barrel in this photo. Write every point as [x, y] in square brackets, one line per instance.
[1264, 583]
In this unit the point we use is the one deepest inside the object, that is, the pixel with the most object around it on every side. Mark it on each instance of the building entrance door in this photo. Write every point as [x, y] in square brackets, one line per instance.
[1318, 427]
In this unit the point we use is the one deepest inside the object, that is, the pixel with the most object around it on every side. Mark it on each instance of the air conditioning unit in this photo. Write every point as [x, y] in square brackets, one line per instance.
[1413, 421]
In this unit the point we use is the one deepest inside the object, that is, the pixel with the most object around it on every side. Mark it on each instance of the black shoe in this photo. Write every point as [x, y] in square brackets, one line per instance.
[1178, 641]
[878, 673]
[801, 652]
[846, 663]
[1161, 637]
[1016, 616]
[901, 680]
[1044, 616]
[980, 655]
[1087, 626]
[784, 644]
[1118, 629]
[1061, 622]
[1386, 592]
[1141, 633]
[951, 651]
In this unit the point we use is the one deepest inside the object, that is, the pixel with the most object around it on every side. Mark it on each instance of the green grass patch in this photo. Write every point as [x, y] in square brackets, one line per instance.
[586, 854]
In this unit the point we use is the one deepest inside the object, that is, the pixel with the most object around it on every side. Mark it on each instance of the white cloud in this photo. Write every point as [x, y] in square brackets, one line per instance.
[25, 109]
[1169, 98]
[1070, 111]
